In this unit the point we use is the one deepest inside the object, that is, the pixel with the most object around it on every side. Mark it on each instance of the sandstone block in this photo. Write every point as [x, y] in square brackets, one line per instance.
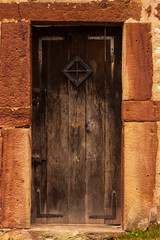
[16, 178]
[9, 11]
[140, 141]
[158, 11]
[15, 77]
[106, 11]
[140, 111]
[137, 62]
[15, 117]
[0, 177]
[157, 178]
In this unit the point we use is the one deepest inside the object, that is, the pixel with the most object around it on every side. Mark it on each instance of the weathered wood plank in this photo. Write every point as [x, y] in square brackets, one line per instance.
[39, 131]
[113, 128]
[57, 130]
[95, 130]
[81, 127]
[76, 201]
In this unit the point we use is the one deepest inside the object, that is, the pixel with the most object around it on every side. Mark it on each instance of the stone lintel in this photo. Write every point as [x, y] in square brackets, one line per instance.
[103, 11]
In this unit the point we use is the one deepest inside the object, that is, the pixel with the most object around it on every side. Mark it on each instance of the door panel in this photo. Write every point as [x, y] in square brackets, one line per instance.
[95, 130]
[57, 132]
[76, 200]
[76, 129]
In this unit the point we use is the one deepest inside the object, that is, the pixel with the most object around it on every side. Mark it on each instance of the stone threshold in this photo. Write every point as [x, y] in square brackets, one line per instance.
[62, 232]
[79, 228]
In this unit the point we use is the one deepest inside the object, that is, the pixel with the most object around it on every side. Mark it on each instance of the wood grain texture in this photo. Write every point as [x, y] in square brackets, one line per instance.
[95, 130]
[114, 127]
[77, 146]
[82, 128]
[39, 171]
[57, 132]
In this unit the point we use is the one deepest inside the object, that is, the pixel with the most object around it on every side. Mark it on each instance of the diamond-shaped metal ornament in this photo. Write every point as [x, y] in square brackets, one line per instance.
[79, 74]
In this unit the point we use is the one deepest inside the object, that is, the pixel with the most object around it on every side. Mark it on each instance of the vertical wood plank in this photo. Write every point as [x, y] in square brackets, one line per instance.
[110, 138]
[113, 128]
[104, 102]
[76, 201]
[95, 130]
[57, 130]
[39, 177]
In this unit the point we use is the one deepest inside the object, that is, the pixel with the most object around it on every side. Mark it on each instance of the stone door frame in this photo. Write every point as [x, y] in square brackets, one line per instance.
[138, 110]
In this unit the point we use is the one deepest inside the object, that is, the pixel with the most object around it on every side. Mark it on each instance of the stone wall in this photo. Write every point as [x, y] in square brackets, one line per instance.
[140, 106]
[140, 113]
[15, 122]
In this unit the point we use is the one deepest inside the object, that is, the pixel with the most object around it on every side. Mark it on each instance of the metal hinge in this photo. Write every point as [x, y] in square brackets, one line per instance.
[113, 215]
[44, 215]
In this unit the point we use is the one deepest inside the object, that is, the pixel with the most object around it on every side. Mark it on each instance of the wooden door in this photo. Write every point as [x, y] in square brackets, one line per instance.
[76, 143]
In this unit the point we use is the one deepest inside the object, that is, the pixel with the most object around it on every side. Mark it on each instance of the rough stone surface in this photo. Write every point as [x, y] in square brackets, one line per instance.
[157, 179]
[140, 111]
[52, 232]
[16, 179]
[103, 11]
[0, 175]
[0, 42]
[155, 43]
[10, 117]
[140, 141]
[9, 11]
[149, 10]
[15, 75]
[158, 11]
[138, 67]
[52, 1]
